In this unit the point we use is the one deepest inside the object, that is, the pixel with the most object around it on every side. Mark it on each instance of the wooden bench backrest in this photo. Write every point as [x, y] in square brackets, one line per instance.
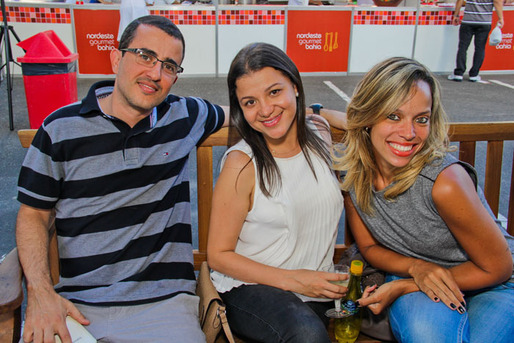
[467, 134]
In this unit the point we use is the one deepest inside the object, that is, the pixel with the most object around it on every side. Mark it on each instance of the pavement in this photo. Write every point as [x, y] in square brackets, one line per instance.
[490, 100]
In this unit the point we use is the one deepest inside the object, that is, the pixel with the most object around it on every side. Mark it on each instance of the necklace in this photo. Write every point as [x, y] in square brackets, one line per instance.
[275, 152]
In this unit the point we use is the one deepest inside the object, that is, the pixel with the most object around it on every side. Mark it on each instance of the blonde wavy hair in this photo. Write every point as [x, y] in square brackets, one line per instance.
[385, 88]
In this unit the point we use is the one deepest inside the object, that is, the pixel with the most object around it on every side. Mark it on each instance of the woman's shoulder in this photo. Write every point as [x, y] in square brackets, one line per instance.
[453, 175]
[434, 168]
[242, 146]
[237, 159]
[239, 155]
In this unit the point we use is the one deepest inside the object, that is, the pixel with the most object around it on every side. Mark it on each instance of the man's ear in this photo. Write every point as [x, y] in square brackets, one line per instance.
[115, 57]
[176, 79]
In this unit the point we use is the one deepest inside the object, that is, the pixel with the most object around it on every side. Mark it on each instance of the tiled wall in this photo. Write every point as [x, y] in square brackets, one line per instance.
[436, 17]
[252, 17]
[188, 17]
[37, 15]
[384, 17]
[380, 17]
[236, 17]
[226, 17]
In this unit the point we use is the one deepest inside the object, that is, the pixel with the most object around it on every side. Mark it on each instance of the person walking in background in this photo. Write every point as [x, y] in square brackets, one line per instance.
[478, 15]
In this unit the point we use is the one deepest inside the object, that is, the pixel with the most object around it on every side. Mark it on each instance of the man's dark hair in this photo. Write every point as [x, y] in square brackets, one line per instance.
[160, 22]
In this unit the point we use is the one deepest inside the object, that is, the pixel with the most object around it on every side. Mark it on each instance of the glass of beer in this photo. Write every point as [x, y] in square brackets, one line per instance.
[337, 311]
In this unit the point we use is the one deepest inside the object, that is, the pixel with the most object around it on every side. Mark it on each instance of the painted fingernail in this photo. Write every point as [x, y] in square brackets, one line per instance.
[452, 305]
[461, 310]
[436, 299]
[463, 304]
[358, 303]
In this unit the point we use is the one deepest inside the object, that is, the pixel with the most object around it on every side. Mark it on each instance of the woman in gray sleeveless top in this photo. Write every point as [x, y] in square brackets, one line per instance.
[416, 213]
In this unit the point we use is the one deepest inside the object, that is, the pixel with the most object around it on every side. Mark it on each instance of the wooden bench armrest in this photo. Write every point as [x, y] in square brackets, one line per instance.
[25, 136]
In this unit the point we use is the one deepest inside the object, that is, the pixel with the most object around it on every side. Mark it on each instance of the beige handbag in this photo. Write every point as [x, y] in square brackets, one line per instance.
[212, 309]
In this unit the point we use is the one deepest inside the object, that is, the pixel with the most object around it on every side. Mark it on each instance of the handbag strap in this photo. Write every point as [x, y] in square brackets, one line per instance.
[222, 314]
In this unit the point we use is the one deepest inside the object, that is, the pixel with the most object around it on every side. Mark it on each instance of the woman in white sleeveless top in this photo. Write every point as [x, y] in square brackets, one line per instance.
[276, 206]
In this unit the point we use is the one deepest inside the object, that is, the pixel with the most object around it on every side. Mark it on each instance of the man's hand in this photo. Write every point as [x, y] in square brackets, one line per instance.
[46, 316]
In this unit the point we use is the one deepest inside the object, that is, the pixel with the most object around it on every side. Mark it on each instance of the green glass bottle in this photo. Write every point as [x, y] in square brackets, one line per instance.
[347, 329]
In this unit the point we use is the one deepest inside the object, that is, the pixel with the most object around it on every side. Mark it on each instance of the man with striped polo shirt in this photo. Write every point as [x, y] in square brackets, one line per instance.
[113, 169]
[478, 15]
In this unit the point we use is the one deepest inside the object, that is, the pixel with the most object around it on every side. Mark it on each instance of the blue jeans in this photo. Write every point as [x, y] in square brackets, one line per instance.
[466, 32]
[268, 314]
[416, 318]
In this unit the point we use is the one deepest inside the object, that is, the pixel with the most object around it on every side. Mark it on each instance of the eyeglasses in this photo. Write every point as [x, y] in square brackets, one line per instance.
[148, 59]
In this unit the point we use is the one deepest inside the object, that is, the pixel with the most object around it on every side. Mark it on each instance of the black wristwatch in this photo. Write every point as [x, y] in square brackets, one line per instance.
[316, 108]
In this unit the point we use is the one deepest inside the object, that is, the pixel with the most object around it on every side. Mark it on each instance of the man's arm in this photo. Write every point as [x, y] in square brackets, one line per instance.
[335, 118]
[498, 7]
[226, 109]
[46, 311]
[456, 12]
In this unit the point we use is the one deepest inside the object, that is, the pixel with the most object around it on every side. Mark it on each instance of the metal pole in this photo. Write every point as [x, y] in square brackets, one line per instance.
[7, 66]
[216, 37]
[418, 5]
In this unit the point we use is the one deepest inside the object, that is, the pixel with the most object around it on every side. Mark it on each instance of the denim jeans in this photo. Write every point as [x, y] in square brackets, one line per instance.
[466, 32]
[268, 314]
[416, 318]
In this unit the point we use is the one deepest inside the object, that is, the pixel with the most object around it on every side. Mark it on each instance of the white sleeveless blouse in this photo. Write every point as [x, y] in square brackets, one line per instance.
[297, 227]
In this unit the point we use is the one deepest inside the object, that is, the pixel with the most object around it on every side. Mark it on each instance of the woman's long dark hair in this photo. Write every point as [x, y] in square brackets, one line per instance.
[253, 58]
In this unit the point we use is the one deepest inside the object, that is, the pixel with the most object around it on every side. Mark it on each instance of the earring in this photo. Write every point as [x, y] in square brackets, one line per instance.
[367, 128]
[297, 94]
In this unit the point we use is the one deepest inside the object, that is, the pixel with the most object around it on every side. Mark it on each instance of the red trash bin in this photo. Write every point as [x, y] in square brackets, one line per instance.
[49, 74]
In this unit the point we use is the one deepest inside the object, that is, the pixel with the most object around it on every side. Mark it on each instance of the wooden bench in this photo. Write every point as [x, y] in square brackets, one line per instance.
[467, 134]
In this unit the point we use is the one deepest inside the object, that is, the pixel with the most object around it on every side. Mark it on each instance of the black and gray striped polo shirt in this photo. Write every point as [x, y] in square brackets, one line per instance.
[121, 197]
[478, 12]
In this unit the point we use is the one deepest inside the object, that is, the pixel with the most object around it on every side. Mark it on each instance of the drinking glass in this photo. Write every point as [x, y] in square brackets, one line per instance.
[337, 311]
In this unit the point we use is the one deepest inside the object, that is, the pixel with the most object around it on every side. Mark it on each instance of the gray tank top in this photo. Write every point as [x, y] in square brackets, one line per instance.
[411, 225]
